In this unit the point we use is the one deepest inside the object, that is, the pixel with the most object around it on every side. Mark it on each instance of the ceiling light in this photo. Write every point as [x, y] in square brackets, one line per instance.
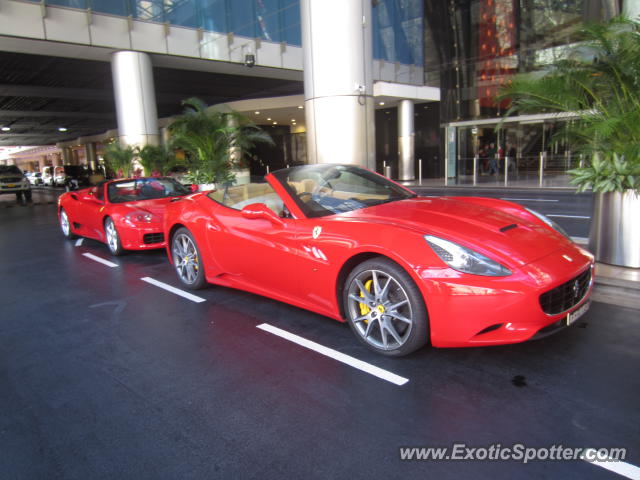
[275, 123]
[268, 119]
[6, 129]
[257, 112]
[62, 129]
[293, 120]
[300, 107]
[381, 103]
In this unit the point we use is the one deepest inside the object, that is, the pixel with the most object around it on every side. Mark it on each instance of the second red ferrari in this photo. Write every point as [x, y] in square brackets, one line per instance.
[124, 214]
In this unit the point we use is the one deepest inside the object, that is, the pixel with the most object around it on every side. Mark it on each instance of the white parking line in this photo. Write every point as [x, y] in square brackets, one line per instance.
[79, 242]
[528, 199]
[177, 291]
[621, 468]
[566, 216]
[341, 357]
[100, 260]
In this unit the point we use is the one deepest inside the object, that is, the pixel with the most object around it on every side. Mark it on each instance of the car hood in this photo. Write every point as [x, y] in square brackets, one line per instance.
[475, 226]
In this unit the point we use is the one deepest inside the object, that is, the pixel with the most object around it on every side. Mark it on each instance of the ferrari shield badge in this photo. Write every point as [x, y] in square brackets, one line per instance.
[316, 232]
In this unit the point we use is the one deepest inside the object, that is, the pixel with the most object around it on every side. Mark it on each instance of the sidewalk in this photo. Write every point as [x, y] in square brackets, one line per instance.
[617, 285]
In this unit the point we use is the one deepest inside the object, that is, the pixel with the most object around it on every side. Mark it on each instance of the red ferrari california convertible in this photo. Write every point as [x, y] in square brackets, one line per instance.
[401, 269]
[125, 214]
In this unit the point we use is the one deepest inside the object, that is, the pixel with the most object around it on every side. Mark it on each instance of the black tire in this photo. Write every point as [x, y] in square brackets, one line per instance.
[27, 195]
[65, 224]
[390, 319]
[112, 237]
[187, 259]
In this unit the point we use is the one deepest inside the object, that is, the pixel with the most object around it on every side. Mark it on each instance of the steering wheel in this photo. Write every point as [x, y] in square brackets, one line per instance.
[324, 190]
[309, 196]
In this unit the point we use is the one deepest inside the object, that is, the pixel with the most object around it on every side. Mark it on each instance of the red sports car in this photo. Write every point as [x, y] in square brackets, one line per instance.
[125, 214]
[401, 269]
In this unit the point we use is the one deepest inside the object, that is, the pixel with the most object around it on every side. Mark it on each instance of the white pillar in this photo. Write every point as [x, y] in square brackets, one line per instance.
[406, 141]
[135, 98]
[631, 9]
[338, 85]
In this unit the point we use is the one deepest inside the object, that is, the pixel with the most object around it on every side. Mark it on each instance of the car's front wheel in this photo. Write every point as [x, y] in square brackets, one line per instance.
[385, 309]
[65, 224]
[113, 238]
[187, 259]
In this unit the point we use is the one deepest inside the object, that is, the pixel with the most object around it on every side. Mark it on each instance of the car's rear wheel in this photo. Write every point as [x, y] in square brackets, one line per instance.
[385, 309]
[65, 224]
[113, 238]
[187, 259]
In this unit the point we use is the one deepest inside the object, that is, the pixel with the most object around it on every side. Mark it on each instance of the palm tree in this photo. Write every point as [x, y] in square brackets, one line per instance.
[156, 158]
[119, 159]
[215, 141]
[599, 81]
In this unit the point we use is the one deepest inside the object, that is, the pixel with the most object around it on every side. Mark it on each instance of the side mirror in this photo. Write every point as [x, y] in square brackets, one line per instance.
[260, 210]
[90, 197]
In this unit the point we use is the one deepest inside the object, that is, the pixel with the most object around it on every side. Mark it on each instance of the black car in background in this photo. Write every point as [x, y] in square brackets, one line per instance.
[76, 176]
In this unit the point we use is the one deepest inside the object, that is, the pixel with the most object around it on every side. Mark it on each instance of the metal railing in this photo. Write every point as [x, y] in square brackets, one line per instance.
[543, 170]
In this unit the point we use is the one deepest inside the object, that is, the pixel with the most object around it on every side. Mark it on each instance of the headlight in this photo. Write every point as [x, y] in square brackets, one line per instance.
[134, 218]
[464, 259]
[549, 222]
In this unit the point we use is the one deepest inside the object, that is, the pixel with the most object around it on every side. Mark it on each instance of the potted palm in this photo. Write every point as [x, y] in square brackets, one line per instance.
[119, 159]
[215, 141]
[156, 160]
[599, 82]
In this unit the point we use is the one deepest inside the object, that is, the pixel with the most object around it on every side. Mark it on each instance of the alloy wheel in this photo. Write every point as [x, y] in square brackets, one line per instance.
[186, 259]
[380, 310]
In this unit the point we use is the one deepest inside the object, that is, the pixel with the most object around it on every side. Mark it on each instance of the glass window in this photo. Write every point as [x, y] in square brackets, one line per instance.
[144, 189]
[214, 15]
[181, 12]
[113, 7]
[321, 190]
[242, 18]
[290, 14]
[398, 31]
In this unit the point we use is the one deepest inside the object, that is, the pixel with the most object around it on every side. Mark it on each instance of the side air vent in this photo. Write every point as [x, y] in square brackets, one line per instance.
[508, 227]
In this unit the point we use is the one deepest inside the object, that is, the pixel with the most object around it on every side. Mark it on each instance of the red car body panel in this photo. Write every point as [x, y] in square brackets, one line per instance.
[87, 214]
[285, 261]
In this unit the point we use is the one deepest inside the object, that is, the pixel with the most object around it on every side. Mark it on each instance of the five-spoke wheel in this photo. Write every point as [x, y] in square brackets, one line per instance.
[112, 237]
[65, 224]
[186, 259]
[384, 308]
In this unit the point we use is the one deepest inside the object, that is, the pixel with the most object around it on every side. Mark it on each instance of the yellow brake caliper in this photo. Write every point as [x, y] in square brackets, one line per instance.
[364, 309]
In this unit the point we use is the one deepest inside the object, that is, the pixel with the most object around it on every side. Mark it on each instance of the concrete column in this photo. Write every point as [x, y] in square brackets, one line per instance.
[406, 141]
[165, 136]
[338, 85]
[90, 155]
[42, 162]
[135, 98]
[631, 9]
[62, 159]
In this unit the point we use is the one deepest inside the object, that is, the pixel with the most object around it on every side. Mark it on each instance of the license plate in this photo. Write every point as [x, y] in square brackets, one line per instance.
[11, 185]
[573, 316]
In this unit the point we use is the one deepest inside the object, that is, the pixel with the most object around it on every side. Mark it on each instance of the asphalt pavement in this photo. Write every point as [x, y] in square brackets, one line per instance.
[106, 374]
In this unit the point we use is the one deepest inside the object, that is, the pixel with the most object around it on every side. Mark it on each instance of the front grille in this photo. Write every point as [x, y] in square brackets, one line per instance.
[11, 180]
[153, 238]
[567, 295]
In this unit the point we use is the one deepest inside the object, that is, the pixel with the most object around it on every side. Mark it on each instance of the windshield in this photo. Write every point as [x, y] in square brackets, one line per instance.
[144, 189]
[9, 169]
[321, 190]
